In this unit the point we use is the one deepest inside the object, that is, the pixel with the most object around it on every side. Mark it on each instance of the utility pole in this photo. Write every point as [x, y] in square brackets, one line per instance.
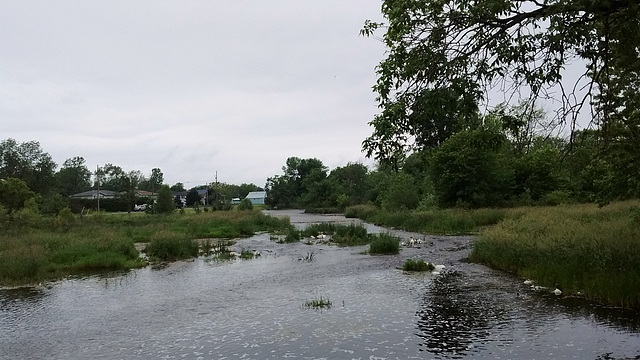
[98, 185]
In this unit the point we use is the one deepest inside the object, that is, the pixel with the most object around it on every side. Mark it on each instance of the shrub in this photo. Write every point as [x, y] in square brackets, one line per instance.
[351, 235]
[245, 204]
[384, 244]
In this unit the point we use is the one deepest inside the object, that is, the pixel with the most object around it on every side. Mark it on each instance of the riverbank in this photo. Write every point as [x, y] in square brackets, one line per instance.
[581, 249]
[52, 248]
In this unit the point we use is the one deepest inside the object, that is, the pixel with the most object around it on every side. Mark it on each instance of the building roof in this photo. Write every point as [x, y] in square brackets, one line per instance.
[94, 193]
[257, 195]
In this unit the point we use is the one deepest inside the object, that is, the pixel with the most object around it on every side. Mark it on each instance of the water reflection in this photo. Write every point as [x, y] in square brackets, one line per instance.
[452, 319]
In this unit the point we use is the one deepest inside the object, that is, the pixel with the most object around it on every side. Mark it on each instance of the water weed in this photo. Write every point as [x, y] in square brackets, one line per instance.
[417, 265]
[384, 244]
[319, 303]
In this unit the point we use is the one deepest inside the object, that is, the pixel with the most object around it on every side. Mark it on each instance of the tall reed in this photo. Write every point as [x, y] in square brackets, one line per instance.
[580, 248]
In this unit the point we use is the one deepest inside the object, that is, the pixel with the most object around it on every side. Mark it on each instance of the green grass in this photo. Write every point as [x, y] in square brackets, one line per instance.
[50, 248]
[445, 221]
[384, 244]
[417, 265]
[581, 248]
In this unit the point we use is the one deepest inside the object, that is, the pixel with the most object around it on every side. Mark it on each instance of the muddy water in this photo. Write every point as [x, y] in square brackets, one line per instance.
[254, 309]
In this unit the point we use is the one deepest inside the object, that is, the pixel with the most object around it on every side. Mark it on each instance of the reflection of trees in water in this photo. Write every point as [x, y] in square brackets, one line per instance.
[15, 297]
[453, 316]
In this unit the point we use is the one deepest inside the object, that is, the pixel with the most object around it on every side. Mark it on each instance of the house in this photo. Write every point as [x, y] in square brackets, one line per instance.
[204, 196]
[94, 194]
[257, 197]
[182, 197]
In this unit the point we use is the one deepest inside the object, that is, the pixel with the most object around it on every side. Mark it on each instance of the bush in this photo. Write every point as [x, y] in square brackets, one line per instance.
[384, 244]
[169, 247]
[245, 204]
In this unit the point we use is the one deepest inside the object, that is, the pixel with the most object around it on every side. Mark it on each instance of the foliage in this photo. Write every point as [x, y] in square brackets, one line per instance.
[245, 204]
[29, 163]
[14, 193]
[435, 221]
[581, 248]
[444, 55]
[472, 168]
[171, 247]
[417, 265]
[401, 193]
[350, 235]
[193, 197]
[165, 204]
[74, 176]
[384, 244]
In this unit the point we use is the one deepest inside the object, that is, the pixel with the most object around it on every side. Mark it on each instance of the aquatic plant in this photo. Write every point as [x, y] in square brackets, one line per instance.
[417, 265]
[318, 303]
[582, 248]
[170, 248]
[350, 235]
[384, 244]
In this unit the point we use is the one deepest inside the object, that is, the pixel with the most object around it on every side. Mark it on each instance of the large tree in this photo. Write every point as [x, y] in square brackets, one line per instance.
[73, 177]
[446, 56]
[29, 163]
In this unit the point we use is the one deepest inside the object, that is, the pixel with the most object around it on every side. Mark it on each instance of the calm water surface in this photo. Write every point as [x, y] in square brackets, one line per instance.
[254, 309]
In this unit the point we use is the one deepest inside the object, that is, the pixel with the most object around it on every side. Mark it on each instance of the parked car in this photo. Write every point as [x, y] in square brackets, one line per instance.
[141, 207]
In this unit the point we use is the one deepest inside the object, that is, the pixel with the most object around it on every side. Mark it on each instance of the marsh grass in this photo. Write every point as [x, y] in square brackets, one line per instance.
[350, 235]
[581, 248]
[444, 221]
[417, 265]
[47, 248]
[384, 244]
[318, 303]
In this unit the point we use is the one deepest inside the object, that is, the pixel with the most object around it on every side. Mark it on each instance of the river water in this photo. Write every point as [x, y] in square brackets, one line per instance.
[254, 309]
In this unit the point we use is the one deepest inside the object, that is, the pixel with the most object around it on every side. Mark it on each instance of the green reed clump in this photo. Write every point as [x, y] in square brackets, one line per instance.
[319, 303]
[582, 248]
[247, 254]
[350, 235]
[171, 247]
[417, 265]
[316, 229]
[384, 244]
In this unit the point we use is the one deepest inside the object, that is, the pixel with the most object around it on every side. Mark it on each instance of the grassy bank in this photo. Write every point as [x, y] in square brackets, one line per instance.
[49, 248]
[445, 221]
[580, 248]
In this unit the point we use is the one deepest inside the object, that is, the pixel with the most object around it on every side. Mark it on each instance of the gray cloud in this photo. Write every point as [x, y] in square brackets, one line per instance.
[192, 87]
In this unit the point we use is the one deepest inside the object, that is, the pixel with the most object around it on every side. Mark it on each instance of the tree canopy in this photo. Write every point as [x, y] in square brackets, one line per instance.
[445, 57]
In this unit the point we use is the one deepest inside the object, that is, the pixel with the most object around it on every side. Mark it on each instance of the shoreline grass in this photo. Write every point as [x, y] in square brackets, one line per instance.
[582, 249]
[49, 249]
[444, 221]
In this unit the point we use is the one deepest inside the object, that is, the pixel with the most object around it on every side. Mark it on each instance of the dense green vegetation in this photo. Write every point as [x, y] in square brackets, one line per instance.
[384, 244]
[583, 249]
[34, 248]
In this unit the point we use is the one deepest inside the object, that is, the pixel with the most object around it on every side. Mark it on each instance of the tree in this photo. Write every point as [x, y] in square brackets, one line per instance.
[193, 197]
[164, 204]
[14, 193]
[156, 179]
[73, 177]
[472, 168]
[178, 187]
[29, 163]
[444, 56]
[300, 176]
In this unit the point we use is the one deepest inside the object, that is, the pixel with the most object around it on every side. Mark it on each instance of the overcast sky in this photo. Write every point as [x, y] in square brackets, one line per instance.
[192, 87]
